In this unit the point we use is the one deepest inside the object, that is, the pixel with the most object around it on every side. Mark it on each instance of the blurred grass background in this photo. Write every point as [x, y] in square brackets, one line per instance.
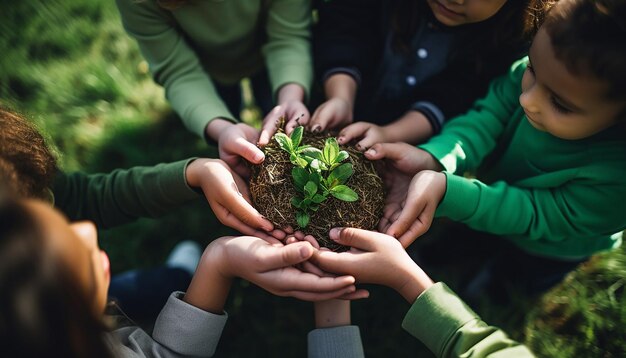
[69, 66]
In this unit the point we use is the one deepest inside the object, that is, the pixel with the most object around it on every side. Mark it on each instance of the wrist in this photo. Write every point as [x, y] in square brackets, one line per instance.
[341, 86]
[209, 287]
[332, 313]
[216, 127]
[290, 92]
[415, 283]
[193, 172]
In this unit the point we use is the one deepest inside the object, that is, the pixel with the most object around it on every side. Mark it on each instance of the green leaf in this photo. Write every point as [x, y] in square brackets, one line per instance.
[302, 218]
[310, 189]
[317, 199]
[315, 178]
[284, 142]
[313, 207]
[310, 152]
[300, 177]
[297, 202]
[342, 192]
[306, 202]
[340, 174]
[296, 136]
[295, 159]
[331, 150]
[318, 165]
[343, 155]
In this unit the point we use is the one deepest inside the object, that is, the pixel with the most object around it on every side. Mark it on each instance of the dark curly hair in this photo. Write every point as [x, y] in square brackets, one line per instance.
[589, 37]
[27, 165]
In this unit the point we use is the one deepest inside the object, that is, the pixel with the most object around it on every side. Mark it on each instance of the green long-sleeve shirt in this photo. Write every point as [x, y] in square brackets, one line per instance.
[444, 323]
[551, 197]
[189, 47]
[123, 195]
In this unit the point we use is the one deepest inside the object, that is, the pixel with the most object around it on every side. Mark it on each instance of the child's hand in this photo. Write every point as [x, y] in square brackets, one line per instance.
[374, 258]
[229, 198]
[368, 134]
[236, 144]
[291, 106]
[413, 216]
[404, 157]
[334, 113]
[271, 267]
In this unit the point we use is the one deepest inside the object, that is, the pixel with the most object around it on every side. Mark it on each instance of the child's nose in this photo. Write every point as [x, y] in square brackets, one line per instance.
[528, 101]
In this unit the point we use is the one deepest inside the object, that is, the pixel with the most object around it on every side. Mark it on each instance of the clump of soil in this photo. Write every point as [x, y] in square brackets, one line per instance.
[272, 188]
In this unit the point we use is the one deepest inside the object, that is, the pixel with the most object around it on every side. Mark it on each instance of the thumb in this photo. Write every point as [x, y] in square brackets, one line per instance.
[289, 255]
[392, 151]
[248, 151]
[353, 237]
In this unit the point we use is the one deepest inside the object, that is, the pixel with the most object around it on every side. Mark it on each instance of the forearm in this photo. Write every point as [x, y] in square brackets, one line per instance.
[341, 86]
[209, 288]
[332, 313]
[215, 128]
[413, 128]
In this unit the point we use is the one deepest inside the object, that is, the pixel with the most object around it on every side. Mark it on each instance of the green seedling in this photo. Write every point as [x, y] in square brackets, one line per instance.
[317, 174]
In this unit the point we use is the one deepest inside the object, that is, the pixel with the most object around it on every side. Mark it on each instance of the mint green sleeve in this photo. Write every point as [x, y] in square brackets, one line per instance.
[580, 208]
[288, 48]
[123, 195]
[174, 64]
[449, 328]
[466, 140]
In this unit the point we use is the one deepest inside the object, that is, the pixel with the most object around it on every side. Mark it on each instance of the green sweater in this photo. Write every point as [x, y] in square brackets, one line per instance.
[124, 194]
[551, 197]
[449, 328]
[225, 41]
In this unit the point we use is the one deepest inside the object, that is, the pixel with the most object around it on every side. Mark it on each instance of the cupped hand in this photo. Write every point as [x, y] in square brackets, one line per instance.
[404, 157]
[236, 144]
[229, 198]
[374, 258]
[271, 266]
[413, 216]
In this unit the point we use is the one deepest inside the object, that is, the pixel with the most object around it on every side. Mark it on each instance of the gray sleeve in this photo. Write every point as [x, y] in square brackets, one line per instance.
[340, 342]
[181, 330]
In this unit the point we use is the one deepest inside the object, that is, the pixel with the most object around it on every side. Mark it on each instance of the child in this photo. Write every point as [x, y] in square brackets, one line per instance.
[414, 64]
[548, 147]
[200, 50]
[28, 167]
[437, 316]
[54, 282]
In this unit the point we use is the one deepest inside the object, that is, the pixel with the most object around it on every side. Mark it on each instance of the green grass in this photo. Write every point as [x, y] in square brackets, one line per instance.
[69, 66]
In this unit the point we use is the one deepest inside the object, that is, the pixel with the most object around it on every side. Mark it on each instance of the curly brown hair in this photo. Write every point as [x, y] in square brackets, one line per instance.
[27, 165]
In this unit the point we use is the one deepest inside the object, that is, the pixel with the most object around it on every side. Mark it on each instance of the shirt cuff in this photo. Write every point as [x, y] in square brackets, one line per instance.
[432, 113]
[340, 342]
[436, 315]
[188, 330]
[173, 182]
[351, 71]
[459, 190]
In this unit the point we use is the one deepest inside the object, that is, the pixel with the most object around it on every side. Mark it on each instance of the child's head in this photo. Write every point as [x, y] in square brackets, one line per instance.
[575, 84]
[27, 165]
[53, 282]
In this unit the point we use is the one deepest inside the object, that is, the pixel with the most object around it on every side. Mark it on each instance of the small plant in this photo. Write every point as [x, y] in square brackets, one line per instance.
[317, 174]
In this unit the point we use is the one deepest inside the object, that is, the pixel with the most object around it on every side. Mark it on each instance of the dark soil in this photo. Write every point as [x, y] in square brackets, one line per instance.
[272, 188]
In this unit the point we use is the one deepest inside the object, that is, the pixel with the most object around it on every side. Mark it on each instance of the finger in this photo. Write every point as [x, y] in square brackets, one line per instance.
[300, 120]
[290, 278]
[307, 266]
[338, 262]
[270, 126]
[234, 203]
[321, 117]
[419, 227]
[230, 220]
[410, 212]
[392, 151]
[291, 240]
[312, 241]
[368, 140]
[320, 296]
[353, 237]
[242, 187]
[352, 131]
[278, 234]
[248, 151]
[356, 295]
[286, 256]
